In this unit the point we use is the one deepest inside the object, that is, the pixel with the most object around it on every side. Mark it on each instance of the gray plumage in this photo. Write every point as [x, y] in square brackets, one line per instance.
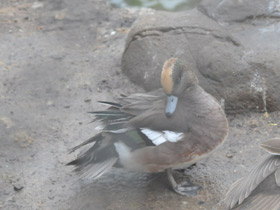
[260, 189]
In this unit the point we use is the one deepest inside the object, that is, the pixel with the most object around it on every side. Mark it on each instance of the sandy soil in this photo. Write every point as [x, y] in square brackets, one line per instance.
[57, 58]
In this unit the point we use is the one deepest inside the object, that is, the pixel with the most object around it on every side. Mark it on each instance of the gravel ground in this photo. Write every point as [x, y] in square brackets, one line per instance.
[57, 58]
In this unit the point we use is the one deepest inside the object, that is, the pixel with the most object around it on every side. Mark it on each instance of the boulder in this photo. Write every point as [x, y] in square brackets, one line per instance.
[240, 11]
[239, 69]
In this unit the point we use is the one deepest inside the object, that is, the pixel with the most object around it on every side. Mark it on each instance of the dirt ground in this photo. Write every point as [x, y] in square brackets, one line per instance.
[57, 58]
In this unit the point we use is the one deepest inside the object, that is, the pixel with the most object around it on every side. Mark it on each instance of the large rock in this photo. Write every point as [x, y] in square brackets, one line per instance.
[238, 68]
[240, 11]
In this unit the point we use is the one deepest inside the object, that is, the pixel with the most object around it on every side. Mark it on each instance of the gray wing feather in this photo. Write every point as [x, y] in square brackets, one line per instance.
[140, 102]
[242, 188]
[265, 196]
[96, 170]
[277, 177]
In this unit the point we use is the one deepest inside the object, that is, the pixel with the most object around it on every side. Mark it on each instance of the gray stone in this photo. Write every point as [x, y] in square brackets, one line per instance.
[239, 11]
[160, 35]
[236, 63]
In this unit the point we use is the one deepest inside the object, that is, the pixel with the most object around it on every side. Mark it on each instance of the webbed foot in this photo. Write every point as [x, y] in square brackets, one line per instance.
[185, 188]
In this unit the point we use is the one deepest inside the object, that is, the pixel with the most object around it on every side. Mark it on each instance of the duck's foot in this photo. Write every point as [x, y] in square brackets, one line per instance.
[184, 188]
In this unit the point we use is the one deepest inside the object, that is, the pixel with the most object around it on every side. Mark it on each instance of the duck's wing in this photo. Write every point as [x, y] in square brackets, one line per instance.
[116, 117]
[101, 155]
[136, 104]
[243, 188]
[119, 116]
[265, 196]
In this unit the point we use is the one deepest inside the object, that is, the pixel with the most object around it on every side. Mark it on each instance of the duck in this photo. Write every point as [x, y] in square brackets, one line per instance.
[167, 129]
[260, 189]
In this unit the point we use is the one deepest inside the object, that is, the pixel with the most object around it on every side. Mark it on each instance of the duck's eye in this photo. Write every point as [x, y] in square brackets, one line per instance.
[178, 79]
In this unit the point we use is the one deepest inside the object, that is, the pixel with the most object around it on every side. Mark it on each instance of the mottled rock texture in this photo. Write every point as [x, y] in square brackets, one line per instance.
[235, 54]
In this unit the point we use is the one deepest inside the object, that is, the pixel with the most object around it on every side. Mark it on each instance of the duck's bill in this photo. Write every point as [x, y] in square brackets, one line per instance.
[171, 105]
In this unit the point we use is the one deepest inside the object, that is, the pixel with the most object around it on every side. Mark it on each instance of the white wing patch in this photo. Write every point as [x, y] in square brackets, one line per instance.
[158, 137]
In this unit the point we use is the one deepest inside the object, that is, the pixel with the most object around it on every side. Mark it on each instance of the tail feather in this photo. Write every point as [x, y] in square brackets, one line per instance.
[84, 159]
[108, 113]
[96, 138]
[110, 116]
[102, 155]
[99, 169]
[98, 159]
[117, 105]
[113, 119]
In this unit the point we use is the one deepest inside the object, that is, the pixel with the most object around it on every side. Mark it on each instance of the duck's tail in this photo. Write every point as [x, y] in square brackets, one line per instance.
[102, 154]
[98, 159]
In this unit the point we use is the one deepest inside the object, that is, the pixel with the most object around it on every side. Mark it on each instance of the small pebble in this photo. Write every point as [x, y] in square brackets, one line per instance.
[87, 100]
[50, 103]
[253, 126]
[229, 155]
[118, 72]
[51, 197]
[18, 187]
[37, 5]
[13, 199]
[201, 203]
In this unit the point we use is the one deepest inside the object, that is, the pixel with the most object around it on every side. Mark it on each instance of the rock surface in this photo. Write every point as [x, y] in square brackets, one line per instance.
[236, 62]
[240, 11]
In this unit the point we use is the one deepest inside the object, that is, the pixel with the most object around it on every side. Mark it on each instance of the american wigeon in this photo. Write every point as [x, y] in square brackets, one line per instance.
[260, 189]
[170, 128]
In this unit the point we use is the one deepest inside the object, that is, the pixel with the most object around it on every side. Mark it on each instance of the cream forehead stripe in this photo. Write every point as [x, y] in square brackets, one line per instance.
[166, 75]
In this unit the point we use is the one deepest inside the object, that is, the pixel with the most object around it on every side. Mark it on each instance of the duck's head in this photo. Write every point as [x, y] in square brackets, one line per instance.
[176, 77]
[272, 146]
